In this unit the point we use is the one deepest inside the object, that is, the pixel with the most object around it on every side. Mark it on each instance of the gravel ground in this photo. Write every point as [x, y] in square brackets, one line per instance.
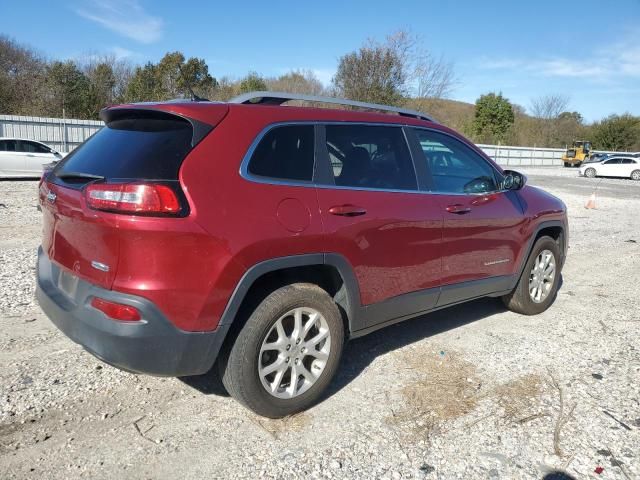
[470, 392]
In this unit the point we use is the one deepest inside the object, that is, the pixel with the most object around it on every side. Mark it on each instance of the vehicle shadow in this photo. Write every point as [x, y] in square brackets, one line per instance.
[361, 352]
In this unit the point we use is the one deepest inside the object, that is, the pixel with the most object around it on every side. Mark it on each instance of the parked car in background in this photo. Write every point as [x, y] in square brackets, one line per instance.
[259, 238]
[596, 157]
[615, 166]
[24, 158]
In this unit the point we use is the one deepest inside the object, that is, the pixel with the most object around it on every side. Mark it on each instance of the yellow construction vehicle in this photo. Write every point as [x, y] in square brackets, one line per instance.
[577, 154]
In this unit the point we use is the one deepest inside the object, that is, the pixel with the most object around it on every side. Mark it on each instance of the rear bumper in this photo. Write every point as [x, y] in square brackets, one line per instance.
[153, 345]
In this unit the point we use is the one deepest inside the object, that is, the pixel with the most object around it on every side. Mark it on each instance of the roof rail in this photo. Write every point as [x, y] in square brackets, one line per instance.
[278, 98]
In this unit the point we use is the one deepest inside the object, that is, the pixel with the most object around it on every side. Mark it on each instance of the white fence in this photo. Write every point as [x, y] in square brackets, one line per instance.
[65, 135]
[62, 135]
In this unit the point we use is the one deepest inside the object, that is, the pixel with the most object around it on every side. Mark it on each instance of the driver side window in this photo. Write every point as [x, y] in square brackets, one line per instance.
[454, 167]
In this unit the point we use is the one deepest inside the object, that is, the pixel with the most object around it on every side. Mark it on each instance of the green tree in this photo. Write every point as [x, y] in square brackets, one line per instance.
[493, 118]
[101, 84]
[70, 89]
[375, 73]
[252, 82]
[144, 85]
[617, 132]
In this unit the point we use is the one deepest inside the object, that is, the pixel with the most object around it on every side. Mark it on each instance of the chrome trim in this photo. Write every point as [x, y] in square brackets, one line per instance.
[278, 98]
[100, 266]
[244, 165]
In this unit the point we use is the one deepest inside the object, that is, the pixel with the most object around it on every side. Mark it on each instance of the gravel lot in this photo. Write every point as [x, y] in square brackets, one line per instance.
[469, 392]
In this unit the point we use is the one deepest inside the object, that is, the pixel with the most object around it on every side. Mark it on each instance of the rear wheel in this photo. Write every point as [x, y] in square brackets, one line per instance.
[538, 283]
[287, 353]
[635, 175]
[590, 172]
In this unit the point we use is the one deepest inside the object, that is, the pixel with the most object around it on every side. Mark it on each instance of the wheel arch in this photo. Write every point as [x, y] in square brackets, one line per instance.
[331, 272]
[555, 229]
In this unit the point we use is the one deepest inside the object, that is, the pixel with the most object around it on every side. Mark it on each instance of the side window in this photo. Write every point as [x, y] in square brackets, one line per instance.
[32, 147]
[454, 167]
[369, 156]
[285, 153]
[614, 161]
[7, 145]
[627, 161]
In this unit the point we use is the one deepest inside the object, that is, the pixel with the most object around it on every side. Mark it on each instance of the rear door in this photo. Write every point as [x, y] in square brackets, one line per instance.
[36, 156]
[374, 214]
[481, 223]
[628, 166]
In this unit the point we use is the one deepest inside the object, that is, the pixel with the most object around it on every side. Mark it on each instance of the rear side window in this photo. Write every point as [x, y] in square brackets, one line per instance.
[7, 145]
[142, 148]
[367, 156]
[32, 147]
[286, 153]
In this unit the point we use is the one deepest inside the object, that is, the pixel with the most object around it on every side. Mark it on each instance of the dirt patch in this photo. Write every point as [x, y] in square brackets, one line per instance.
[279, 427]
[446, 387]
[520, 398]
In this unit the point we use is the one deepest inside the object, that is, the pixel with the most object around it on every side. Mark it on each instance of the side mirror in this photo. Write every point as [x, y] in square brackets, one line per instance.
[513, 180]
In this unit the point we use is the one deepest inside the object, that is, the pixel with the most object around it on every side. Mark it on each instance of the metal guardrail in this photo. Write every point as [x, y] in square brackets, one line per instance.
[66, 134]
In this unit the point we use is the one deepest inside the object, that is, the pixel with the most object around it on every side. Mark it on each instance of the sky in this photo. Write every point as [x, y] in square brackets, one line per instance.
[587, 50]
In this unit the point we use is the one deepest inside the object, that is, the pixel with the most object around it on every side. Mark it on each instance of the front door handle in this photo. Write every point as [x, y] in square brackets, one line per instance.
[347, 210]
[458, 209]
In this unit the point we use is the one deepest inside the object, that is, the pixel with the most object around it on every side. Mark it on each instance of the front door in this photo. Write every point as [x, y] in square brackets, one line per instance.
[480, 240]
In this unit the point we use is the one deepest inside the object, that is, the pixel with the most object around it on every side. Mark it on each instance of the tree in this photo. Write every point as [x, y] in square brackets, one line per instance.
[101, 84]
[375, 73]
[70, 89]
[22, 79]
[390, 71]
[144, 85]
[251, 83]
[617, 133]
[547, 109]
[493, 118]
[297, 81]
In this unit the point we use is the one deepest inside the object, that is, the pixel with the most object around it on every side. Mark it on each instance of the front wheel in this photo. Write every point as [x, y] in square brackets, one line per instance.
[538, 284]
[287, 353]
[635, 175]
[590, 173]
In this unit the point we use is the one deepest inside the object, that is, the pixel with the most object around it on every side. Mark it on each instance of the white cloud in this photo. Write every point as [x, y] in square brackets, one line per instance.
[615, 60]
[125, 17]
[122, 53]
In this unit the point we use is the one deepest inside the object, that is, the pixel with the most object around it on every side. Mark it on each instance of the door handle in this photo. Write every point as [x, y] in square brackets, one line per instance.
[347, 210]
[458, 209]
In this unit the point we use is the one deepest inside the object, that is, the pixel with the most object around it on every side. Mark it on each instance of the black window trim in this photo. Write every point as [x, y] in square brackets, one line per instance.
[322, 177]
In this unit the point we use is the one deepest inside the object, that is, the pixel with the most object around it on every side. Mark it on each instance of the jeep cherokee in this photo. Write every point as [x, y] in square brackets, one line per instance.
[259, 237]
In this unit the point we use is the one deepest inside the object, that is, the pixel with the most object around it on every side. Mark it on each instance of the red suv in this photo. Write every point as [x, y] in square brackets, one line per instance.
[262, 236]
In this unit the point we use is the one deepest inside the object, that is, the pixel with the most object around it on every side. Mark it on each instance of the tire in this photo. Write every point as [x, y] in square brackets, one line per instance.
[521, 300]
[590, 173]
[635, 175]
[567, 164]
[240, 365]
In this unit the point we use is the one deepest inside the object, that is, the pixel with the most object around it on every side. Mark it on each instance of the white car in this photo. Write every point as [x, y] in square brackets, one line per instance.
[24, 158]
[628, 167]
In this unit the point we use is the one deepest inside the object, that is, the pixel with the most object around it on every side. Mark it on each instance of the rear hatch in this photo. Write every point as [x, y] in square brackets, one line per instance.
[137, 146]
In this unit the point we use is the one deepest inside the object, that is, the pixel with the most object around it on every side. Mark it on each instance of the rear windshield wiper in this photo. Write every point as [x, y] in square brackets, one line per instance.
[78, 175]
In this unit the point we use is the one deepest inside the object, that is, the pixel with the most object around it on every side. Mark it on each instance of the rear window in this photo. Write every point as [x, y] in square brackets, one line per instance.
[133, 148]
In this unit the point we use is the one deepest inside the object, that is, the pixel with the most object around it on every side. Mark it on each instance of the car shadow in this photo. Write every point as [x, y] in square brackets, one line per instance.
[361, 352]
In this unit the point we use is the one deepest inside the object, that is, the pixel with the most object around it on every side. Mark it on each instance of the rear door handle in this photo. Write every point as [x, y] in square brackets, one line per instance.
[347, 210]
[458, 209]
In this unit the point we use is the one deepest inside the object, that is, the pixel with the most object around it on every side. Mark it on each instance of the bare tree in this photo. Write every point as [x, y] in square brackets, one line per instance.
[296, 81]
[550, 106]
[388, 72]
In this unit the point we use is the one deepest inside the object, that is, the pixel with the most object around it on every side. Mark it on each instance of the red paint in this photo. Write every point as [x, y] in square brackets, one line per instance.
[189, 267]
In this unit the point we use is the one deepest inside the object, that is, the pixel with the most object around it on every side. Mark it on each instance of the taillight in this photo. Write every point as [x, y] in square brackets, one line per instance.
[147, 198]
[117, 311]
